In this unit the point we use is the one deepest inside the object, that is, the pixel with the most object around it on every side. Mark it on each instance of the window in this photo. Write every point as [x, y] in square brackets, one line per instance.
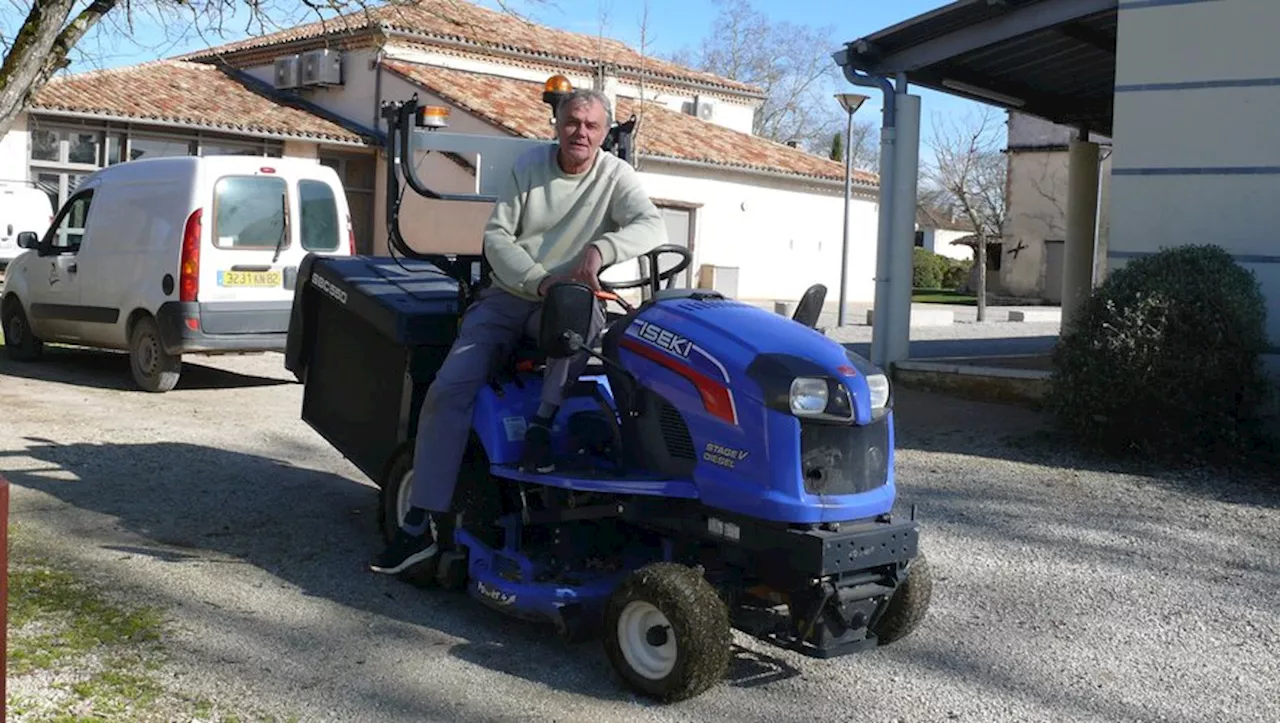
[70, 228]
[249, 212]
[320, 227]
[229, 149]
[158, 148]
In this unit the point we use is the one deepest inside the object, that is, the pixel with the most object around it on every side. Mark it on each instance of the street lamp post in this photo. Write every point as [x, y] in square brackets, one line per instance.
[850, 102]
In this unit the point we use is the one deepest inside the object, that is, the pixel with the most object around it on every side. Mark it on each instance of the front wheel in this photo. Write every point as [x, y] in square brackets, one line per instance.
[19, 341]
[908, 605]
[154, 369]
[667, 632]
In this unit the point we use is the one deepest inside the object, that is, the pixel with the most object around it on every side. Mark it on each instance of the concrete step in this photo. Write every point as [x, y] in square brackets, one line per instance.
[974, 379]
[1035, 315]
[923, 317]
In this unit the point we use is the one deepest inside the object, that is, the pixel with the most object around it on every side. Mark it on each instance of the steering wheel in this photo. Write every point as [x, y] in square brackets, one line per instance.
[652, 279]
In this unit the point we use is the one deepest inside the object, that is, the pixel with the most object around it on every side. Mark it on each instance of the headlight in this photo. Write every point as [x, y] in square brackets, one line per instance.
[879, 386]
[808, 396]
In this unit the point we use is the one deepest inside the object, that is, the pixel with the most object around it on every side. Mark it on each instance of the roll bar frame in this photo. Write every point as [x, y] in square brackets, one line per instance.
[404, 118]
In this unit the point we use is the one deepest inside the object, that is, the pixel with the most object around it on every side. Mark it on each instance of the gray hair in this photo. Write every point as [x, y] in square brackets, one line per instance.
[585, 95]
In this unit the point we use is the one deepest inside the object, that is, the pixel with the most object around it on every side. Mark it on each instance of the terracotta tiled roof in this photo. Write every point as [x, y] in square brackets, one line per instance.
[517, 106]
[484, 29]
[171, 91]
[936, 218]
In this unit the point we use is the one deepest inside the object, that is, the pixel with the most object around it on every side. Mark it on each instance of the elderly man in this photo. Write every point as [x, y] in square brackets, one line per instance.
[568, 210]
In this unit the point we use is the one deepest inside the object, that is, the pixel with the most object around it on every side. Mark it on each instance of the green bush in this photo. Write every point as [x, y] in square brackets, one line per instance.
[1163, 358]
[957, 274]
[927, 269]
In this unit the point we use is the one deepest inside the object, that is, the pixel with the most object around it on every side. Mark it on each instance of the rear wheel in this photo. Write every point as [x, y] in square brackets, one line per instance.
[476, 495]
[19, 341]
[908, 605]
[667, 632]
[394, 505]
[154, 369]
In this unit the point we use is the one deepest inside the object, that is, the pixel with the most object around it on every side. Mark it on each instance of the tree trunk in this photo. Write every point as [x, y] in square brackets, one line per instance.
[39, 49]
[982, 278]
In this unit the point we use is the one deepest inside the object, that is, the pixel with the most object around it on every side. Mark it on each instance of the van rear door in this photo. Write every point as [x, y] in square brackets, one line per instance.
[262, 224]
[242, 258]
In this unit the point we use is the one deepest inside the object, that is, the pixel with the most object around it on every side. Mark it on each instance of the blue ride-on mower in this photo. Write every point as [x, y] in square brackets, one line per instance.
[718, 466]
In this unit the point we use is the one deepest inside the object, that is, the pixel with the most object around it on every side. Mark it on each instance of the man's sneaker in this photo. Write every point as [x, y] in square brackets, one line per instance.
[405, 551]
[537, 450]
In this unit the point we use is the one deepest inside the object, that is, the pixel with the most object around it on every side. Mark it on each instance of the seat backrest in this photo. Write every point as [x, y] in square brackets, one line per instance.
[809, 309]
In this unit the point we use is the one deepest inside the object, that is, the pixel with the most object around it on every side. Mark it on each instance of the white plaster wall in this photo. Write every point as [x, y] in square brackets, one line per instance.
[1189, 42]
[14, 150]
[1037, 202]
[301, 149]
[939, 242]
[354, 99]
[1219, 147]
[781, 238]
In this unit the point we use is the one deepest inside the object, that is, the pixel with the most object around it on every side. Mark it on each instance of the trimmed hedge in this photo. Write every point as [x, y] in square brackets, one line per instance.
[930, 270]
[1163, 358]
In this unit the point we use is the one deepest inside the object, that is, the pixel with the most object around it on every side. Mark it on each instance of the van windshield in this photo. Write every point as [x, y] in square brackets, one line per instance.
[249, 212]
[320, 230]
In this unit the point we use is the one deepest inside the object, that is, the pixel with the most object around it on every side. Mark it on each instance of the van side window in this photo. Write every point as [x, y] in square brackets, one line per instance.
[249, 212]
[69, 230]
[320, 230]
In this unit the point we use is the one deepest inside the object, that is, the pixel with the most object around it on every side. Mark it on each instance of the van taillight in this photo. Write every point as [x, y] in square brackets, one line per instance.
[189, 283]
[351, 237]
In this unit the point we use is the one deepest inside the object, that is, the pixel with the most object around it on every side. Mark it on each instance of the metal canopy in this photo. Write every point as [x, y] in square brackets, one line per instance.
[1055, 59]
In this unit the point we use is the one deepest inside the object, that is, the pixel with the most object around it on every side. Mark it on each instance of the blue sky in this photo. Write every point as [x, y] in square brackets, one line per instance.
[673, 24]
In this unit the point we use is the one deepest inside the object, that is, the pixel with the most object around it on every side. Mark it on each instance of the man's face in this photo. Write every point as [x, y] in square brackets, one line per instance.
[581, 131]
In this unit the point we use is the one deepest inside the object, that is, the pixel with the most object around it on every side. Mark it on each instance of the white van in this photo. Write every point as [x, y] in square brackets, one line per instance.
[23, 207]
[170, 256]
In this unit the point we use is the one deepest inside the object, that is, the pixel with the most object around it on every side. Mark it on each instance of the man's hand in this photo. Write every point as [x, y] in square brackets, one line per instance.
[588, 269]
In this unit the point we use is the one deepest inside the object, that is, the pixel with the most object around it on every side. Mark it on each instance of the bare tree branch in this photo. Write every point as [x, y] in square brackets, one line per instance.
[790, 63]
[637, 135]
[53, 32]
[970, 173]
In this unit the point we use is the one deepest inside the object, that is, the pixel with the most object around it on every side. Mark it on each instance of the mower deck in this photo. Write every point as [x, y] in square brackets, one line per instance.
[583, 479]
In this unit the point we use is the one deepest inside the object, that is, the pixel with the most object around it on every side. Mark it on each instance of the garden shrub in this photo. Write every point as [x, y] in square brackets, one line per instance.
[927, 269]
[957, 274]
[1164, 357]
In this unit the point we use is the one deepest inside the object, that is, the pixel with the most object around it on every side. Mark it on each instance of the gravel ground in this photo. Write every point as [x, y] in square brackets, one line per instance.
[1064, 590]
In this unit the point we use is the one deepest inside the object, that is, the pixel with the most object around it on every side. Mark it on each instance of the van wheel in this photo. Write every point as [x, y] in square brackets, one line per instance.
[19, 342]
[154, 369]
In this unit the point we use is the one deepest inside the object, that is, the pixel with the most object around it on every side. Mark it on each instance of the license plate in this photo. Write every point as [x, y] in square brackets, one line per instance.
[250, 278]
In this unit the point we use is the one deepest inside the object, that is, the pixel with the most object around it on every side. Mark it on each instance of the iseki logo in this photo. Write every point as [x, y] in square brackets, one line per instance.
[664, 339]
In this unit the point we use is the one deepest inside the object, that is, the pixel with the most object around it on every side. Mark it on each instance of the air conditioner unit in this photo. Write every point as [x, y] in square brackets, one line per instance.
[703, 108]
[322, 67]
[287, 73]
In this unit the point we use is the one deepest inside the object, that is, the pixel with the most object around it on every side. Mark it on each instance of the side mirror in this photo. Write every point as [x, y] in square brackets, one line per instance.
[566, 319]
[28, 240]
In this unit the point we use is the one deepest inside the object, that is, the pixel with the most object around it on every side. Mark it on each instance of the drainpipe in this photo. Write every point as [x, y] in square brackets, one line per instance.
[882, 311]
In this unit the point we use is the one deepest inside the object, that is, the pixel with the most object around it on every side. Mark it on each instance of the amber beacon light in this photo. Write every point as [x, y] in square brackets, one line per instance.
[433, 116]
[554, 90]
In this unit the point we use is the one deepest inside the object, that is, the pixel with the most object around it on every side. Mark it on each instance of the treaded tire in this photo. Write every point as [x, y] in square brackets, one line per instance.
[392, 485]
[19, 341]
[154, 369]
[908, 605]
[699, 623]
